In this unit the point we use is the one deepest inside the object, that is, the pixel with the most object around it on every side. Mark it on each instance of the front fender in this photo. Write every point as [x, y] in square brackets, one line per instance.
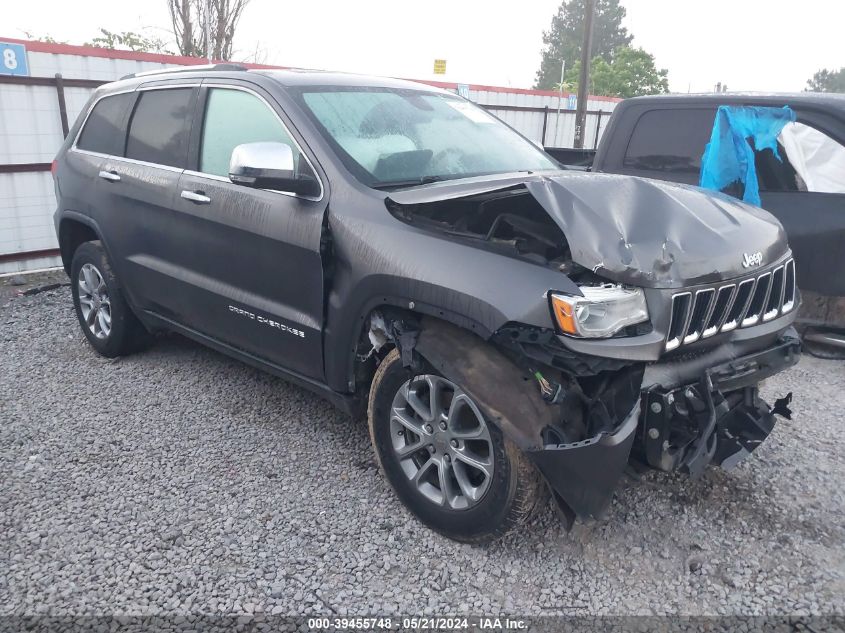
[384, 261]
[583, 474]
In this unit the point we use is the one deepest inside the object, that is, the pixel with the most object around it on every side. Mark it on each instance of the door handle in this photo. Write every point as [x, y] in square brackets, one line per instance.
[111, 176]
[197, 197]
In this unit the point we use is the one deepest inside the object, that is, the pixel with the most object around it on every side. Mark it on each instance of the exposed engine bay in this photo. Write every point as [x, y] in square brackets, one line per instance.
[632, 231]
[511, 222]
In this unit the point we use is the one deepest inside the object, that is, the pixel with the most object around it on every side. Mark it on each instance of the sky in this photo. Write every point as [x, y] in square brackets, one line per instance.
[763, 45]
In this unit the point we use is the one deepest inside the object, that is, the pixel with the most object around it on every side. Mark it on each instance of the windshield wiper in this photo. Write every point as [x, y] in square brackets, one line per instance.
[398, 184]
[424, 180]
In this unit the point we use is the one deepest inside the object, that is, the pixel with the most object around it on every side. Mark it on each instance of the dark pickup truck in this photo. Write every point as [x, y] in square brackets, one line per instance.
[664, 137]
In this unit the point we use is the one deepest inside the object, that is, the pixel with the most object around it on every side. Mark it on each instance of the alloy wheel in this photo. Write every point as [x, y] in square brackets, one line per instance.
[442, 442]
[94, 301]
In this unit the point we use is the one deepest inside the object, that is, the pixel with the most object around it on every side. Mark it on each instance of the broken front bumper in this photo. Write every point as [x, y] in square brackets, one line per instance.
[697, 417]
[584, 474]
[717, 418]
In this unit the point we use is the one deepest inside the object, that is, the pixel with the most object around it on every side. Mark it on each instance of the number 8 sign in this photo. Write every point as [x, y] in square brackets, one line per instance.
[13, 59]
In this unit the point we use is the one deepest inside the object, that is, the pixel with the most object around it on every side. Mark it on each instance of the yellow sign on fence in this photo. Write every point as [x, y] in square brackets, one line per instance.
[439, 66]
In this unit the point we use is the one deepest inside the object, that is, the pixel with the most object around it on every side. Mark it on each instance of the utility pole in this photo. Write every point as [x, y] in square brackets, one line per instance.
[584, 79]
[559, 99]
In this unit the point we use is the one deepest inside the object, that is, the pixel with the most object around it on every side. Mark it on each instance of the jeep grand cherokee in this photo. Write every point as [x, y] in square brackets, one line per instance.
[509, 327]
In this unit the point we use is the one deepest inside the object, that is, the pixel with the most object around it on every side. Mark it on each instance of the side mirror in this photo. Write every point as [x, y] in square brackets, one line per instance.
[271, 166]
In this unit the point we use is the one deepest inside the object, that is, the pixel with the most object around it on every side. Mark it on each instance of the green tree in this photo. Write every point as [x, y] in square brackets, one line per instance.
[827, 81]
[129, 40]
[631, 73]
[563, 40]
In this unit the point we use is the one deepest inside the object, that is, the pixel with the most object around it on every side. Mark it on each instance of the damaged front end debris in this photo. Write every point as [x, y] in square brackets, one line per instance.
[598, 223]
[718, 419]
[584, 474]
[578, 432]
[581, 430]
[580, 375]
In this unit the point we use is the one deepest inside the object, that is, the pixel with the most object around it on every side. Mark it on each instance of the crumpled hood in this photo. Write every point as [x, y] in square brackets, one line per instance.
[634, 230]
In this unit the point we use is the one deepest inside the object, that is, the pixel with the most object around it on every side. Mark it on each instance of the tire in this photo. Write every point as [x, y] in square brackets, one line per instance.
[104, 315]
[479, 504]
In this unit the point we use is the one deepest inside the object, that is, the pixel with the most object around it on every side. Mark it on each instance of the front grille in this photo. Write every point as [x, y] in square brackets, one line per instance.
[703, 313]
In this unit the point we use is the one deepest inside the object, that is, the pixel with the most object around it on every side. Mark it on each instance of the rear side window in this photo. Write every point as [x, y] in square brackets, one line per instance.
[670, 140]
[233, 117]
[158, 130]
[103, 130]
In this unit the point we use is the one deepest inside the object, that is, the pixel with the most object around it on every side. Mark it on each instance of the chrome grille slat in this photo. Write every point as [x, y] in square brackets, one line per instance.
[719, 309]
[698, 315]
[681, 305]
[685, 329]
[758, 301]
[717, 319]
[775, 298]
[744, 294]
[788, 287]
[710, 309]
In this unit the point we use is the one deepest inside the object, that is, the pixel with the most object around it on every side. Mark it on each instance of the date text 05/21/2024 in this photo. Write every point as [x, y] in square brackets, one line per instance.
[418, 623]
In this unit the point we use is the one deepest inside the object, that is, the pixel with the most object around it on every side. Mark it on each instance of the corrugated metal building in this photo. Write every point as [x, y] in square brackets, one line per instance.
[32, 129]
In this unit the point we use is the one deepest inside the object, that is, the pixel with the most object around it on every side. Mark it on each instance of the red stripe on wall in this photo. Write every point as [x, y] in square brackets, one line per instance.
[110, 53]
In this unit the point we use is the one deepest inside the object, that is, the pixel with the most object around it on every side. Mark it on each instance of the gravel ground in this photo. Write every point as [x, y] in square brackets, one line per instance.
[179, 481]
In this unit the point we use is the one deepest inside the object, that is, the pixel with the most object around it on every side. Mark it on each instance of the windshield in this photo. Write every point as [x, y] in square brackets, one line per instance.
[395, 137]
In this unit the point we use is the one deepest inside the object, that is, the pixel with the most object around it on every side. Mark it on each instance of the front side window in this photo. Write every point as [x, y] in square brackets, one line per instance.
[391, 137]
[158, 129]
[234, 117]
[671, 140]
[103, 132]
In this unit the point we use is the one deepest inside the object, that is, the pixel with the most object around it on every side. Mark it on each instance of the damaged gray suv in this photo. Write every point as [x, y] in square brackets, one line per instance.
[511, 329]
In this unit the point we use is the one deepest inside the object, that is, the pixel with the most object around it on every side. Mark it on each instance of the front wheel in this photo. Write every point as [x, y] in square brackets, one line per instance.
[447, 464]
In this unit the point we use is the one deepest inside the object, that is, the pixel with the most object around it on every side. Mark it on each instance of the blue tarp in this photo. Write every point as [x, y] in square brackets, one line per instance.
[729, 157]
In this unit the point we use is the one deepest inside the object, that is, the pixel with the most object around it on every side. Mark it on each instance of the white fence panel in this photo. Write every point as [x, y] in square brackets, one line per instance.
[27, 202]
[30, 129]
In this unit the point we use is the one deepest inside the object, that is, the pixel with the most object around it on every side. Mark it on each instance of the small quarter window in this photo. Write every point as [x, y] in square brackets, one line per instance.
[158, 131]
[103, 131]
[670, 140]
[234, 117]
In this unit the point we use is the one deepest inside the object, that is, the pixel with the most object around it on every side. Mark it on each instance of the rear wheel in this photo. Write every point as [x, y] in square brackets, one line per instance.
[448, 465]
[106, 319]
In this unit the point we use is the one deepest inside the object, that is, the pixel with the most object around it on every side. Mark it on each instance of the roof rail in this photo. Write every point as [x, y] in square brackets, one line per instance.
[186, 69]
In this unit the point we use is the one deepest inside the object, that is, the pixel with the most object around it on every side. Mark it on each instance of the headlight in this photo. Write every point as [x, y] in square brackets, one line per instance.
[601, 312]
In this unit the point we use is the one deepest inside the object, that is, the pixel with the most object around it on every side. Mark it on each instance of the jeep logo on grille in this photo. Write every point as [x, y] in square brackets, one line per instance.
[752, 259]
